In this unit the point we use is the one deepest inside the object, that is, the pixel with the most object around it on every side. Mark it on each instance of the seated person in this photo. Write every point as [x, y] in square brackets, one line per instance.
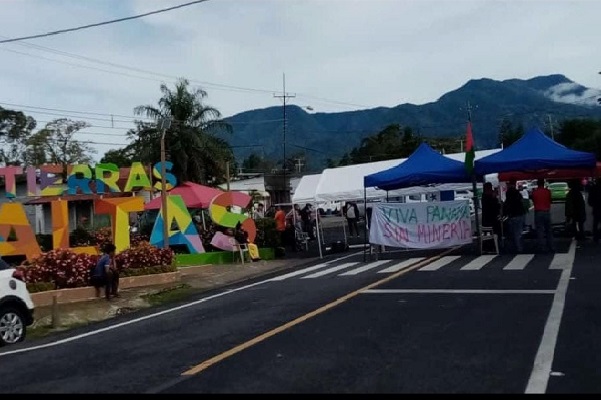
[241, 236]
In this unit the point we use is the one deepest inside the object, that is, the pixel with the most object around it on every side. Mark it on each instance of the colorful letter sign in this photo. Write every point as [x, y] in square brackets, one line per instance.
[13, 218]
[424, 225]
[119, 209]
[219, 212]
[186, 234]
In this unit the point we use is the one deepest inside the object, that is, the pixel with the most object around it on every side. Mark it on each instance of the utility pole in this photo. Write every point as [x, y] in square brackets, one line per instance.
[227, 175]
[474, 182]
[284, 96]
[299, 164]
[164, 125]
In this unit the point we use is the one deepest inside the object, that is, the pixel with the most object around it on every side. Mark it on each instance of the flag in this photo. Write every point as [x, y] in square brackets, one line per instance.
[469, 149]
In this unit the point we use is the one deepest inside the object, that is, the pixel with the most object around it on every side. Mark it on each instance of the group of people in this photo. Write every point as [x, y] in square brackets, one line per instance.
[513, 210]
[298, 220]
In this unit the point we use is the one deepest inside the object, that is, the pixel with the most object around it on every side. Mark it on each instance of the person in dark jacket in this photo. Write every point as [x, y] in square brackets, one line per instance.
[306, 214]
[575, 210]
[594, 201]
[491, 209]
[514, 209]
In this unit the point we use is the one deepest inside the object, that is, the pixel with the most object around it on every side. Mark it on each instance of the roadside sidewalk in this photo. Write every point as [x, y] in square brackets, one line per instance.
[193, 280]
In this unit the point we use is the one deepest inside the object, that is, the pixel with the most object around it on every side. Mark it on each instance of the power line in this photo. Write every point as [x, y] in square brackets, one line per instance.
[217, 86]
[102, 23]
[133, 119]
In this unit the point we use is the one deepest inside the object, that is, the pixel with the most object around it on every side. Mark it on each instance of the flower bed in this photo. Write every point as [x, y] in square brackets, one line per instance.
[62, 268]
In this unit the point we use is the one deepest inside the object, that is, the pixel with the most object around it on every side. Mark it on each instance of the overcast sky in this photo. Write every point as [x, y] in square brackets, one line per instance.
[337, 55]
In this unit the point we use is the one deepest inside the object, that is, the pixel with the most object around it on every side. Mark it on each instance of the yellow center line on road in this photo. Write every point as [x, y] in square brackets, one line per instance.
[220, 357]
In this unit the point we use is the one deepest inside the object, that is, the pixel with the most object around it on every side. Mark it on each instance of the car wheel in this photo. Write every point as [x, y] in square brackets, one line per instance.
[12, 326]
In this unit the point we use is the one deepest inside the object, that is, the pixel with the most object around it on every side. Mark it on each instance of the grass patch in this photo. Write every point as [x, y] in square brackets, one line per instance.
[41, 331]
[169, 295]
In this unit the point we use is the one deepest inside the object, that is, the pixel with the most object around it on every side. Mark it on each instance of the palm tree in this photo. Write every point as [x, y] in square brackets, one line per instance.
[198, 155]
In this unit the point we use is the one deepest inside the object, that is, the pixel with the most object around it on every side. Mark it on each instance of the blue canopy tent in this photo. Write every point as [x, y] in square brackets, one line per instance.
[425, 166]
[532, 152]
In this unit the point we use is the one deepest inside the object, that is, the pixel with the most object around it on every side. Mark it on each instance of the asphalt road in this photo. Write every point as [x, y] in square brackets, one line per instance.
[461, 324]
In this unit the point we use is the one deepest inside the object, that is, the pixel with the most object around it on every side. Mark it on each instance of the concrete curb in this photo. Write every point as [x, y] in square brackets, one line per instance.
[75, 295]
[78, 295]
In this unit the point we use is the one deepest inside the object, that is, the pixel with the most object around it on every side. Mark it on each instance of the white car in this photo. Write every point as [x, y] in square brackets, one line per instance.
[16, 306]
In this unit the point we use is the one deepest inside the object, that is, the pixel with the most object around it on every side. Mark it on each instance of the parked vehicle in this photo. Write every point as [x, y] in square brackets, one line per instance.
[16, 306]
[559, 191]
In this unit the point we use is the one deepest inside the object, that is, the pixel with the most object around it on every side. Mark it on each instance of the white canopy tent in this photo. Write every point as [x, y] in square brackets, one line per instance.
[305, 190]
[305, 193]
[346, 183]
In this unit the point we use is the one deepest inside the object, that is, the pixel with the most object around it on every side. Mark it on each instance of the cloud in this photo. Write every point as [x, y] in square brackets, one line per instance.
[573, 93]
[365, 53]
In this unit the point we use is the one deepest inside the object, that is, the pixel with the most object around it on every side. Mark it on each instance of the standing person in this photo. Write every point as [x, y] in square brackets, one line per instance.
[105, 273]
[280, 223]
[260, 212]
[541, 198]
[491, 209]
[594, 200]
[352, 213]
[575, 210]
[306, 216]
[513, 208]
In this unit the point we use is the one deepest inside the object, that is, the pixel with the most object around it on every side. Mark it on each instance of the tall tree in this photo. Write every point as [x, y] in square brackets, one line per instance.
[122, 157]
[392, 142]
[509, 132]
[256, 163]
[56, 144]
[197, 153]
[582, 134]
[15, 130]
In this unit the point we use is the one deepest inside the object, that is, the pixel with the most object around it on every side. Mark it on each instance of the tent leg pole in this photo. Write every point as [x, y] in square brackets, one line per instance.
[318, 235]
[365, 222]
[475, 199]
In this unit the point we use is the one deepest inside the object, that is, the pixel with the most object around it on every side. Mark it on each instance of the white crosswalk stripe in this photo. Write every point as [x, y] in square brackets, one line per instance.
[519, 262]
[479, 262]
[300, 272]
[355, 268]
[330, 270]
[436, 265]
[401, 265]
[364, 268]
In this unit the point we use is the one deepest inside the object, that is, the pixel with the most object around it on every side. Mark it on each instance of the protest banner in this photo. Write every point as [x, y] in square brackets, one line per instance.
[425, 225]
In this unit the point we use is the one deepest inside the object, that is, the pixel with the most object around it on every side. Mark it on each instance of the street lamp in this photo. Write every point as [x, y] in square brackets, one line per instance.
[164, 124]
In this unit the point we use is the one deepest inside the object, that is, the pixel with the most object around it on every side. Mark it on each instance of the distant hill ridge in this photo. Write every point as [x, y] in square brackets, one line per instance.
[330, 135]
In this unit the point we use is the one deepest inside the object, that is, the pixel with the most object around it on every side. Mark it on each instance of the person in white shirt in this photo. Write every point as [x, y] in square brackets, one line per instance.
[352, 214]
[259, 212]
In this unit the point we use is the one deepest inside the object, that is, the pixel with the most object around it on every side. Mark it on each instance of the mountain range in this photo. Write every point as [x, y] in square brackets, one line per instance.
[542, 101]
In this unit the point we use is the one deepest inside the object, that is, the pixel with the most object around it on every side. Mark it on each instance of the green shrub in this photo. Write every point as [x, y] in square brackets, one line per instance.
[45, 242]
[267, 235]
[36, 287]
[159, 269]
[81, 236]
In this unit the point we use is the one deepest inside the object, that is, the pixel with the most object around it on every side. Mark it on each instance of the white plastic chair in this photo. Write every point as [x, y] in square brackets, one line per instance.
[238, 248]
